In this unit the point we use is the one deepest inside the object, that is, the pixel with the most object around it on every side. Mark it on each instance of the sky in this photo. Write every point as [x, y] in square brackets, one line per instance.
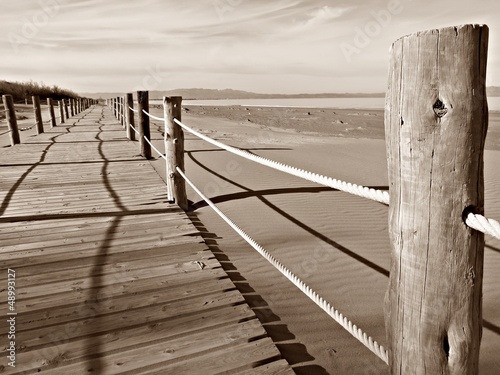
[266, 46]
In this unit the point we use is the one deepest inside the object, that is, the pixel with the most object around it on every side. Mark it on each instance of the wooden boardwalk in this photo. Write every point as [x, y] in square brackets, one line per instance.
[109, 277]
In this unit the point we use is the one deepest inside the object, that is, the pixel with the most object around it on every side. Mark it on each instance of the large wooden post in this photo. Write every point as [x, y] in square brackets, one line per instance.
[143, 104]
[38, 114]
[52, 114]
[130, 116]
[61, 110]
[174, 150]
[72, 106]
[10, 113]
[435, 121]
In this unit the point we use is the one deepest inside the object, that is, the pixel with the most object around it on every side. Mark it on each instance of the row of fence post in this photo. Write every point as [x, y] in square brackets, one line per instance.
[122, 108]
[436, 116]
[67, 108]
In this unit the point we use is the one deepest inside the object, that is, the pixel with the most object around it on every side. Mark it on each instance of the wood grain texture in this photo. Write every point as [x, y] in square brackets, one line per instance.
[436, 119]
[10, 114]
[111, 278]
[38, 114]
[174, 146]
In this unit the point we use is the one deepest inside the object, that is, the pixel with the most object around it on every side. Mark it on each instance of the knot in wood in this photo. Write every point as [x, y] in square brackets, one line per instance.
[439, 108]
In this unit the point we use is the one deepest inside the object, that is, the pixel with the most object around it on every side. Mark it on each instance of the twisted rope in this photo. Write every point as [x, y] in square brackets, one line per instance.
[362, 191]
[361, 336]
[147, 140]
[154, 148]
[483, 224]
[133, 110]
[154, 117]
[28, 128]
[134, 129]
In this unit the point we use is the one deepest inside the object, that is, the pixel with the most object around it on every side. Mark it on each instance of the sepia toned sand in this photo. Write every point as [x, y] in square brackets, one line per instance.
[337, 243]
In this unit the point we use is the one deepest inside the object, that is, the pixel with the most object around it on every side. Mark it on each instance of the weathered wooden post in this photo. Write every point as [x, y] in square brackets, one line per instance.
[143, 105]
[10, 114]
[115, 108]
[61, 110]
[72, 106]
[118, 109]
[52, 114]
[130, 116]
[122, 111]
[66, 110]
[38, 114]
[174, 151]
[435, 122]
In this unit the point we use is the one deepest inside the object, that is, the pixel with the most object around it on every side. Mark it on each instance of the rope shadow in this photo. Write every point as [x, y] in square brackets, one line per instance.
[295, 221]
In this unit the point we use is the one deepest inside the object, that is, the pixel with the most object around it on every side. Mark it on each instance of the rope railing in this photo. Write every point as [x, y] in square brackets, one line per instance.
[77, 106]
[355, 331]
[154, 148]
[153, 117]
[27, 128]
[362, 191]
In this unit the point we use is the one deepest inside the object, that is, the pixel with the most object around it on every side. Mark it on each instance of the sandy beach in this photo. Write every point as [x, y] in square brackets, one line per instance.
[337, 243]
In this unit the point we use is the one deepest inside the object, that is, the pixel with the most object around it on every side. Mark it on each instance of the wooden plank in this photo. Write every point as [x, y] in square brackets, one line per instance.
[49, 301]
[145, 315]
[226, 360]
[280, 367]
[95, 306]
[127, 338]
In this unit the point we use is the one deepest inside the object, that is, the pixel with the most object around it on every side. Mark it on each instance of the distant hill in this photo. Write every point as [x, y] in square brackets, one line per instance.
[210, 94]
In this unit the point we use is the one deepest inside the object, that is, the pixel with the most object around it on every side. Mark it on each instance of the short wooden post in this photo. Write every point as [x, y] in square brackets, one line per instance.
[174, 150]
[72, 107]
[61, 111]
[115, 108]
[52, 114]
[435, 122]
[38, 114]
[143, 105]
[130, 116]
[66, 110]
[10, 113]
